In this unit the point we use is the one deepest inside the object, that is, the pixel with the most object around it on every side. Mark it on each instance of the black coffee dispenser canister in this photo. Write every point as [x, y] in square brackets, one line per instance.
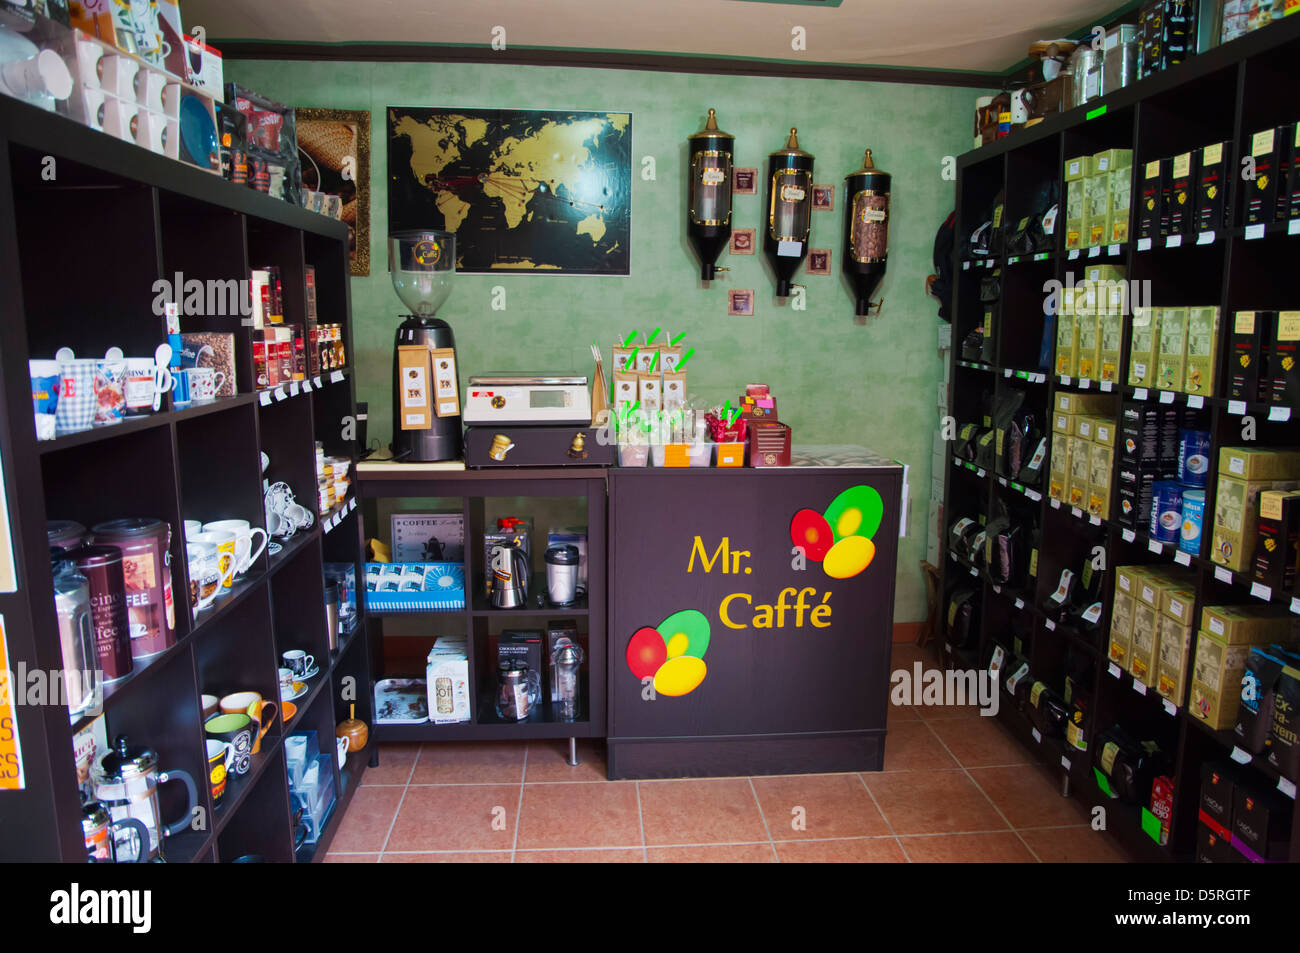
[709, 201]
[789, 210]
[866, 230]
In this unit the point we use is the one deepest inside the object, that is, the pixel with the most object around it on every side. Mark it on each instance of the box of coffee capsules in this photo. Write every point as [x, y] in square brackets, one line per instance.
[1133, 495]
[1144, 345]
[1277, 533]
[1183, 187]
[1266, 170]
[1249, 374]
[1212, 190]
[1150, 204]
[1148, 435]
[1284, 360]
[1293, 176]
[1202, 351]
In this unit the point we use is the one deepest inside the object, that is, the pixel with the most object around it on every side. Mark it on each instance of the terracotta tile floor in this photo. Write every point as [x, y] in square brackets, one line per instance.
[955, 787]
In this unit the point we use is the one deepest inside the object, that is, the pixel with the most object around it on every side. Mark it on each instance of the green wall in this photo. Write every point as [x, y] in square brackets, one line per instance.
[835, 381]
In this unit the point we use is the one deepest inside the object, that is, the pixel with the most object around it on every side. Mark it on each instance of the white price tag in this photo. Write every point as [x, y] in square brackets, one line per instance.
[1166, 397]
[1279, 413]
[1094, 251]
[1139, 687]
[1085, 383]
[1155, 546]
[1139, 393]
[1254, 231]
[316, 381]
[293, 389]
[1182, 558]
[1170, 708]
[1144, 244]
[1286, 787]
[1094, 520]
[965, 266]
[1205, 238]
[1040, 378]
[1173, 241]
[1049, 625]
[1020, 603]
[1076, 512]
[1114, 670]
[1113, 250]
[1002, 480]
[1107, 386]
[1295, 605]
[1065, 762]
[1037, 736]
[1129, 536]
[1056, 504]
[1237, 407]
[1261, 591]
[998, 590]
[1196, 401]
[974, 572]
[956, 462]
[1240, 756]
[306, 387]
[979, 472]
[280, 394]
[264, 398]
[1074, 253]
[352, 504]
[1006, 372]
[1034, 495]
[1223, 575]
[1293, 227]
[336, 376]
[1067, 381]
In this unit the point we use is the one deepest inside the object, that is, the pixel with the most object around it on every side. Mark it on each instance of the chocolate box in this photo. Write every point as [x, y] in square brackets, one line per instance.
[1183, 187]
[1212, 186]
[1249, 375]
[1268, 151]
[769, 444]
[1150, 199]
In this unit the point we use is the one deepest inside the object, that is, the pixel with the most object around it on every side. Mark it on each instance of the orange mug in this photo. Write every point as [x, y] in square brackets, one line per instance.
[252, 704]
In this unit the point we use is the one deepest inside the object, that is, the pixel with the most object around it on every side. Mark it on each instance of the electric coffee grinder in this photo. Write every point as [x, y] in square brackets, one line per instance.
[426, 388]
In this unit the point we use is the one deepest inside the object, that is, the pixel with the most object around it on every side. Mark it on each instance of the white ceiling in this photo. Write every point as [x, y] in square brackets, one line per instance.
[974, 35]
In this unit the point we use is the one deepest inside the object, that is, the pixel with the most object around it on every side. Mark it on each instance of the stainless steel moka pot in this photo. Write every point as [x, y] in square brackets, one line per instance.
[509, 576]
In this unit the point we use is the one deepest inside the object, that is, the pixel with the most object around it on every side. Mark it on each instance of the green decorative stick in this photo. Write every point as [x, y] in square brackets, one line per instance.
[685, 357]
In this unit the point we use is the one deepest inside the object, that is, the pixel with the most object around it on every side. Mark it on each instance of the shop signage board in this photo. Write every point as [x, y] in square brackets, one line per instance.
[732, 651]
[11, 755]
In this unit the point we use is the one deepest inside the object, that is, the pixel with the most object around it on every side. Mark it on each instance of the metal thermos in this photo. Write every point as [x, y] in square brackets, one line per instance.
[562, 574]
[82, 679]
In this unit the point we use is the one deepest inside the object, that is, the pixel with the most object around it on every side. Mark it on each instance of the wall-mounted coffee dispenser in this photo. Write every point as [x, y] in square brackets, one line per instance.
[866, 231]
[708, 210]
[789, 210]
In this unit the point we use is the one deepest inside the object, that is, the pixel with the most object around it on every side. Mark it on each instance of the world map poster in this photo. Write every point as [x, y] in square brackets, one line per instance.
[524, 190]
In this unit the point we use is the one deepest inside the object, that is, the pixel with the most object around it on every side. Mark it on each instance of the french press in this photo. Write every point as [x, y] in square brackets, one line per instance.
[100, 832]
[126, 781]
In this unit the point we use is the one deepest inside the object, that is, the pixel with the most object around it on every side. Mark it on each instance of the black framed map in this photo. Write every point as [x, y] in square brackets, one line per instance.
[537, 191]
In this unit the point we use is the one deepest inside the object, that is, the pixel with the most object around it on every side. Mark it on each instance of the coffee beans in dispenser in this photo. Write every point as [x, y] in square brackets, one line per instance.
[789, 210]
[709, 210]
[866, 231]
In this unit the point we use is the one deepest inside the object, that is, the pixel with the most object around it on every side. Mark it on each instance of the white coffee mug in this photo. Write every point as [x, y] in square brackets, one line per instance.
[226, 542]
[193, 528]
[204, 382]
[244, 532]
[145, 379]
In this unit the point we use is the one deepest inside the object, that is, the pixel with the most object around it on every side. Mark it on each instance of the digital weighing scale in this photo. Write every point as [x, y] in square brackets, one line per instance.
[521, 400]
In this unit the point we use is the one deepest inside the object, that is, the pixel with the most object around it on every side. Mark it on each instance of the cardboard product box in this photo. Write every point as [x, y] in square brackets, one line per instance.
[1249, 375]
[1104, 431]
[1148, 434]
[428, 537]
[1145, 647]
[1277, 539]
[447, 678]
[524, 645]
[1213, 848]
[1267, 149]
[1212, 190]
[1284, 360]
[1218, 783]
[1074, 213]
[1128, 578]
[1111, 160]
[1080, 467]
[1252, 464]
[1150, 200]
[1110, 334]
[1063, 423]
[1144, 343]
[1077, 168]
[1293, 173]
[1096, 199]
[1178, 602]
[1172, 358]
[1088, 347]
[1253, 624]
[1236, 510]
[1083, 424]
[1069, 402]
[1216, 680]
[1134, 494]
[1121, 183]
[1101, 467]
[1058, 476]
[1121, 628]
[1067, 344]
[1099, 500]
[1173, 660]
[1261, 823]
[1202, 351]
[1183, 185]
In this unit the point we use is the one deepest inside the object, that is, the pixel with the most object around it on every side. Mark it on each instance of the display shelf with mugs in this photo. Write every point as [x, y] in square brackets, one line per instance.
[148, 433]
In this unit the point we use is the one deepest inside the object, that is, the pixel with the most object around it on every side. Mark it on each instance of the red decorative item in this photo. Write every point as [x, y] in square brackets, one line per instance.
[721, 433]
[809, 530]
[646, 652]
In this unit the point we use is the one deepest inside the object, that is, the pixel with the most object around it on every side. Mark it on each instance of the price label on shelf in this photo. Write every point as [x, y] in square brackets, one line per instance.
[1205, 238]
[1056, 504]
[979, 472]
[1287, 787]
[352, 504]
[1129, 536]
[998, 590]
[1067, 381]
[1114, 671]
[1279, 413]
[1013, 259]
[1223, 575]
[1139, 687]
[1240, 756]
[1182, 558]
[1166, 397]
[1020, 603]
[1094, 251]
[1034, 495]
[1094, 520]
[1049, 625]
[1144, 244]
[1155, 546]
[264, 398]
[1170, 708]
[1295, 605]
[1261, 591]
[306, 387]
[1037, 736]
[1085, 383]
[974, 572]
[1074, 253]
[1139, 393]
[1173, 241]
[1002, 480]
[336, 376]
[1076, 512]
[293, 389]
[1113, 250]
[1237, 408]
[1006, 372]
[1196, 401]
[1293, 227]
[1040, 378]
[1065, 762]
[280, 394]
[1254, 231]
[316, 381]
[965, 266]
[956, 463]
[1107, 386]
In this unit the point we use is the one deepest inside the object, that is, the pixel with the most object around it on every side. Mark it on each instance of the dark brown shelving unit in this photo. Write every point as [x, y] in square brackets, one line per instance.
[1226, 94]
[478, 620]
[141, 217]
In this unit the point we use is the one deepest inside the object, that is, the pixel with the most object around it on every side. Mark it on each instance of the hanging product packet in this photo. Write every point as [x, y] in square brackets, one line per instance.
[674, 390]
[670, 357]
[649, 392]
[621, 356]
[625, 390]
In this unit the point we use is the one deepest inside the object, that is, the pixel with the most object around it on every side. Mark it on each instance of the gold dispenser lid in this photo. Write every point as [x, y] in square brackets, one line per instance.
[792, 146]
[868, 167]
[711, 130]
